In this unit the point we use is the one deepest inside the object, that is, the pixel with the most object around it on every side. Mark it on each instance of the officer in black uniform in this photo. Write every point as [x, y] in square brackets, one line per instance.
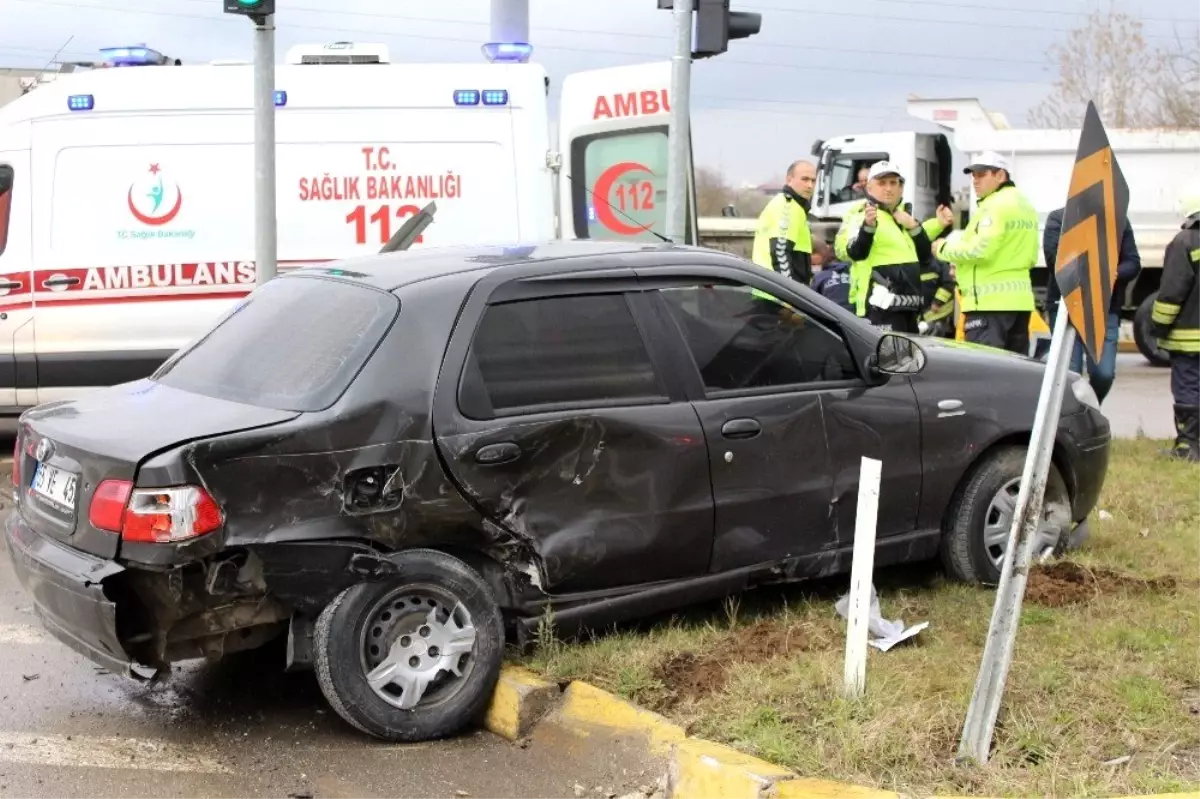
[1175, 322]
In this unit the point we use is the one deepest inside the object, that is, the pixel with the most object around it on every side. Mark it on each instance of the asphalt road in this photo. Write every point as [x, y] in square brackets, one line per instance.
[1140, 401]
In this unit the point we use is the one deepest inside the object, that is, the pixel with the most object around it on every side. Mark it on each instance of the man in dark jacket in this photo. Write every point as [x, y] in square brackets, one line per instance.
[833, 282]
[1176, 325]
[1100, 373]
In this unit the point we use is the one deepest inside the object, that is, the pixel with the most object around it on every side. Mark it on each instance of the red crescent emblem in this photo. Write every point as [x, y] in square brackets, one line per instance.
[155, 220]
[603, 188]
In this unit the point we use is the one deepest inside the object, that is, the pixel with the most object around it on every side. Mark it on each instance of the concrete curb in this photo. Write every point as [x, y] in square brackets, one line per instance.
[695, 767]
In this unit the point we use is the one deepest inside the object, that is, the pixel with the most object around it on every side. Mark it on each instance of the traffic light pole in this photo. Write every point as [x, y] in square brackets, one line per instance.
[677, 135]
[265, 241]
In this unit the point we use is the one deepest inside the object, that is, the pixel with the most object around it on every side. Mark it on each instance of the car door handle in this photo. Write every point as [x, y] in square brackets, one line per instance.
[493, 454]
[741, 428]
[61, 281]
[10, 285]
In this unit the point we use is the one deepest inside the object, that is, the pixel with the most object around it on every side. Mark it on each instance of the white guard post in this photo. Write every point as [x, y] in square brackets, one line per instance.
[1006, 613]
[677, 132]
[858, 615]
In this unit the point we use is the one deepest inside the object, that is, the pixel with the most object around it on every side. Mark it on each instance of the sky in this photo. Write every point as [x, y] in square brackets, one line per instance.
[817, 69]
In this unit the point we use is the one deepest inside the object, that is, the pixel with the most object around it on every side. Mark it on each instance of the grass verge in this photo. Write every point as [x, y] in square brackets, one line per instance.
[1103, 697]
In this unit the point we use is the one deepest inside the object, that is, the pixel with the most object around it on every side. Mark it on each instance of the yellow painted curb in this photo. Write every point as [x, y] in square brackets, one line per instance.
[696, 767]
[704, 768]
[520, 701]
[826, 789]
[586, 707]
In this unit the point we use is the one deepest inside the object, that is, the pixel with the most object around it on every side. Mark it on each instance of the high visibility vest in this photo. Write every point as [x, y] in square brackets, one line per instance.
[994, 253]
[891, 246]
[783, 218]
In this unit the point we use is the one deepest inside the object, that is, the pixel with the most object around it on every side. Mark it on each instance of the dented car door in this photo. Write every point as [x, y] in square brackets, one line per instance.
[763, 372]
[563, 431]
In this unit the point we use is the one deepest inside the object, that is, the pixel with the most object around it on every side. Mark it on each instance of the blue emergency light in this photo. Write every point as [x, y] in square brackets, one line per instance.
[280, 98]
[81, 102]
[466, 97]
[518, 52]
[133, 56]
[495, 96]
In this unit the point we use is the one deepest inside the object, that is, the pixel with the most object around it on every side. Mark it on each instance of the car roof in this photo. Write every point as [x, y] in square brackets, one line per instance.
[391, 271]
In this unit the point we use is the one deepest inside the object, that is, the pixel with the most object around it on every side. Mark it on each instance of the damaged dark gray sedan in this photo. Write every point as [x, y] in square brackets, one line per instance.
[403, 462]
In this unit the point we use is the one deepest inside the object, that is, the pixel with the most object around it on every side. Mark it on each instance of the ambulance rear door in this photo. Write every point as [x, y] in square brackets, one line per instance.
[16, 297]
[613, 133]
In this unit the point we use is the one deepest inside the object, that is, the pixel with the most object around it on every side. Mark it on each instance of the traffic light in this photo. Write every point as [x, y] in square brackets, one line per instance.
[716, 25]
[250, 8]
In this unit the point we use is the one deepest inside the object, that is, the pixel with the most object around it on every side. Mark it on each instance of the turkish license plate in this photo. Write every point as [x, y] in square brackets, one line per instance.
[54, 484]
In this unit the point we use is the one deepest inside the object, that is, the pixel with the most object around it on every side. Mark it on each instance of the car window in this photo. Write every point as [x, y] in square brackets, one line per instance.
[6, 185]
[294, 344]
[741, 341]
[562, 351]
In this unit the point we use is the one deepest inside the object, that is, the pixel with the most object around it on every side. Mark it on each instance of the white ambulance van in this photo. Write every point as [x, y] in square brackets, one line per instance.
[127, 194]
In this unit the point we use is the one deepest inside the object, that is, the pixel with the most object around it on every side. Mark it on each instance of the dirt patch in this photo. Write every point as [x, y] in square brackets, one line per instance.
[1067, 583]
[688, 676]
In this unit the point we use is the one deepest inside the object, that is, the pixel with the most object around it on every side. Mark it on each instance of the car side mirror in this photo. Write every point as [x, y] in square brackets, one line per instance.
[898, 355]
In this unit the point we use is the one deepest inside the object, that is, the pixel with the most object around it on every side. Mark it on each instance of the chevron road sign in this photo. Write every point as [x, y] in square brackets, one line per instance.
[1088, 253]
[1093, 222]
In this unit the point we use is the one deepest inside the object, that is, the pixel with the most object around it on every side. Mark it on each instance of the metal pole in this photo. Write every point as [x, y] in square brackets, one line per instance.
[1006, 613]
[510, 21]
[677, 136]
[265, 243]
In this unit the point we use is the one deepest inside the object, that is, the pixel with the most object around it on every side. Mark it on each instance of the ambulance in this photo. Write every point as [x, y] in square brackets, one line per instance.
[127, 191]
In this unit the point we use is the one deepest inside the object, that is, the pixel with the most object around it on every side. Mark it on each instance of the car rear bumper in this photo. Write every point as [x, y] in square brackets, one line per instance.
[1087, 441]
[68, 597]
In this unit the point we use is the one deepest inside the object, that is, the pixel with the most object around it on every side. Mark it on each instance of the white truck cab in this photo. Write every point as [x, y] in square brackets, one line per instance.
[126, 193]
[924, 159]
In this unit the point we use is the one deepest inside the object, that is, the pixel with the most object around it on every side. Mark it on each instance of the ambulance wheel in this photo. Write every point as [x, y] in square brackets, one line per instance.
[411, 659]
[1147, 344]
[975, 537]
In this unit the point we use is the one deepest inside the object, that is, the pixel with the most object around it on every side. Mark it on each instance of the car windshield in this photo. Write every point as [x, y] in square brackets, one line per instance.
[294, 344]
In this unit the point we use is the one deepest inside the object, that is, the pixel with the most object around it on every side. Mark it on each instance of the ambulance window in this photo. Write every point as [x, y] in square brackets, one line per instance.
[619, 185]
[6, 184]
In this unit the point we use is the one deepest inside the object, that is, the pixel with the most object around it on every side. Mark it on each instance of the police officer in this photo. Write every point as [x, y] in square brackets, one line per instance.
[1175, 321]
[886, 247]
[783, 241]
[937, 291]
[992, 258]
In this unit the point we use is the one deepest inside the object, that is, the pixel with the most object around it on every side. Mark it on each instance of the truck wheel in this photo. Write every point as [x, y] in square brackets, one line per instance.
[981, 514]
[411, 659]
[1146, 343]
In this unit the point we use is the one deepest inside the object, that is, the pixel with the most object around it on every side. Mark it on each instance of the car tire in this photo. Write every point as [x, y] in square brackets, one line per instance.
[1146, 343]
[394, 629]
[968, 552]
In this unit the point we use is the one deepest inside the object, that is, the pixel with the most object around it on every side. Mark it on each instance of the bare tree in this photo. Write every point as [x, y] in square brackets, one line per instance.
[1177, 89]
[1108, 62]
[712, 192]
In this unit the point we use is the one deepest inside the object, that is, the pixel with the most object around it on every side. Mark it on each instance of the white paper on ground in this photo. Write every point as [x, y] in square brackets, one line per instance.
[885, 633]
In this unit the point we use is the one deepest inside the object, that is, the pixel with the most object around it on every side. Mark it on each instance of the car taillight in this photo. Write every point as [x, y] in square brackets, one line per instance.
[154, 515]
[107, 511]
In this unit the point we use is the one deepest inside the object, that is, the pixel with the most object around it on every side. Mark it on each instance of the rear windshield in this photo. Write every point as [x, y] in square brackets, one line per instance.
[294, 344]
